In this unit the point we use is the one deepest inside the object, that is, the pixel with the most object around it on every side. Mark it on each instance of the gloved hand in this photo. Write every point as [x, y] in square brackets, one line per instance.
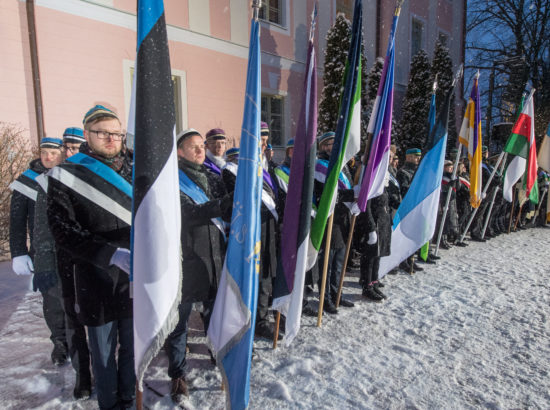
[121, 259]
[373, 237]
[356, 190]
[226, 203]
[355, 210]
[22, 265]
[43, 281]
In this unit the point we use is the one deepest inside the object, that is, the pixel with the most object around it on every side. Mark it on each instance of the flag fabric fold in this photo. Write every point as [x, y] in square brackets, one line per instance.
[289, 281]
[156, 212]
[231, 329]
[347, 137]
[522, 144]
[379, 128]
[470, 137]
[415, 219]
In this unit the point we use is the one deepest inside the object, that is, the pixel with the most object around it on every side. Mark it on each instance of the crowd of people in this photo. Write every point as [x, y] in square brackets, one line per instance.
[74, 203]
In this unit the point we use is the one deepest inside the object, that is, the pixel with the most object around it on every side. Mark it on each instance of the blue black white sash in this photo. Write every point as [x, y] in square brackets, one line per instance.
[26, 184]
[211, 166]
[266, 198]
[98, 183]
[321, 168]
[193, 191]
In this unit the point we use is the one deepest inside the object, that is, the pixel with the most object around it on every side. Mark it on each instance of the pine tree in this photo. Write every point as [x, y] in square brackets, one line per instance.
[336, 53]
[373, 80]
[411, 131]
[442, 65]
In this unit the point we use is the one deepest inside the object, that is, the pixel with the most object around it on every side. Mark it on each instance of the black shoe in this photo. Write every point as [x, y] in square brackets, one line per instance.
[179, 391]
[394, 271]
[59, 354]
[444, 245]
[478, 238]
[212, 358]
[346, 303]
[309, 311]
[329, 307]
[265, 330]
[82, 389]
[377, 290]
[417, 268]
[380, 284]
[428, 260]
[433, 257]
[126, 404]
[405, 266]
[461, 244]
[371, 294]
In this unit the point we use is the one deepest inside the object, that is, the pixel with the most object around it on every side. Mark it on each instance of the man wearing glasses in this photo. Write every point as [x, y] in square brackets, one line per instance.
[89, 213]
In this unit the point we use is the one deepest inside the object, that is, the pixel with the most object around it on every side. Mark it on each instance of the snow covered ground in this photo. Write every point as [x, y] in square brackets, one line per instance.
[471, 332]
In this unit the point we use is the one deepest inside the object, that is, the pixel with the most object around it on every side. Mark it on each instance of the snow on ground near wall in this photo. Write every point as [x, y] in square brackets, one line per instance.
[470, 332]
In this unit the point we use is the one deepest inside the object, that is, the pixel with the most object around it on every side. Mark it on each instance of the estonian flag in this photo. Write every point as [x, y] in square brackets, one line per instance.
[156, 213]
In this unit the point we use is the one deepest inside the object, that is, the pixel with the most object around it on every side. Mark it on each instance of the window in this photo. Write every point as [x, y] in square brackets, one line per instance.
[272, 113]
[272, 11]
[417, 31]
[443, 39]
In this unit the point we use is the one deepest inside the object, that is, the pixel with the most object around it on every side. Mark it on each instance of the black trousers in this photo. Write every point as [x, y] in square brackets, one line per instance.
[54, 314]
[369, 269]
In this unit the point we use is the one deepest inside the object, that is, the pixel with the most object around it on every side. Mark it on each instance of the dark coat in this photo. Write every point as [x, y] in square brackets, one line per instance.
[203, 244]
[394, 190]
[22, 215]
[90, 236]
[269, 229]
[376, 218]
[451, 220]
[342, 218]
[405, 176]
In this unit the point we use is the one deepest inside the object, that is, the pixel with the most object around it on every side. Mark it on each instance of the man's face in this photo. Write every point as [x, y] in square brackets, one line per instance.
[448, 168]
[216, 147]
[71, 148]
[51, 157]
[192, 149]
[392, 156]
[265, 138]
[289, 152]
[395, 162]
[101, 139]
[326, 146]
[413, 158]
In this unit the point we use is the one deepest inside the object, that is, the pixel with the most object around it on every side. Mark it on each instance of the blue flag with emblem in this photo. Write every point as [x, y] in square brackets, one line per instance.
[156, 212]
[231, 330]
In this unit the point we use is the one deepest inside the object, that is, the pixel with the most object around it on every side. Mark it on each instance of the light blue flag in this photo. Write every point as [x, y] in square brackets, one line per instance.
[415, 219]
[231, 330]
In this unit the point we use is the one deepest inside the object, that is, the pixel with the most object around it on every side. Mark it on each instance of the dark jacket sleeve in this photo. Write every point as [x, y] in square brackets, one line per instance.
[43, 241]
[80, 243]
[19, 219]
[200, 214]
[370, 223]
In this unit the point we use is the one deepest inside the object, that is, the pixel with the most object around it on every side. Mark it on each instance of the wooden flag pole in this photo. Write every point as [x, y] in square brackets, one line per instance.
[139, 398]
[276, 332]
[325, 267]
[345, 265]
[519, 215]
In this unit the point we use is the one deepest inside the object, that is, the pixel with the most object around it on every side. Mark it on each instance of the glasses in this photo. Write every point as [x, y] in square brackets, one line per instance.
[105, 135]
[72, 149]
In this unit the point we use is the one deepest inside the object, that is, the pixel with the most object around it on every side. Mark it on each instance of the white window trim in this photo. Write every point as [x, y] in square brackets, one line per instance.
[286, 111]
[280, 28]
[127, 65]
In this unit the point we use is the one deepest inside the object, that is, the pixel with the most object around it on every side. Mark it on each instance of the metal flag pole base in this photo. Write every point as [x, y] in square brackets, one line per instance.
[276, 332]
[345, 265]
[325, 267]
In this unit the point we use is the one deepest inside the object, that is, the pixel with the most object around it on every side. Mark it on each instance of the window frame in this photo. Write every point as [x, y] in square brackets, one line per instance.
[267, 115]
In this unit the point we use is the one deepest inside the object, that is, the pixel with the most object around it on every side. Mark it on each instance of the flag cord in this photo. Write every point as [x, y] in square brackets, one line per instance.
[485, 188]
[325, 267]
[345, 265]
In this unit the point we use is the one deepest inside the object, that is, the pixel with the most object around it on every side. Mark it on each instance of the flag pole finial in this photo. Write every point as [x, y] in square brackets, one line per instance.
[434, 87]
[458, 74]
[256, 5]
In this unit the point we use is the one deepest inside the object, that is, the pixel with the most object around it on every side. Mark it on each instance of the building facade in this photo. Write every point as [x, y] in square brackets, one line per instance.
[86, 49]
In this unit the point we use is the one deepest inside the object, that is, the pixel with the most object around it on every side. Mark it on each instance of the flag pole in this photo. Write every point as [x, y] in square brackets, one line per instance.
[485, 188]
[537, 212]
[345, 265]
[325, 267]
[139, 398]
[512, 211]
[492, 200]
[276, 332]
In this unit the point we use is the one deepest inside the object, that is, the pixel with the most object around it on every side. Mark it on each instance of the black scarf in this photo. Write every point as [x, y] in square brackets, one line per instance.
[115, 163]
[197, 173]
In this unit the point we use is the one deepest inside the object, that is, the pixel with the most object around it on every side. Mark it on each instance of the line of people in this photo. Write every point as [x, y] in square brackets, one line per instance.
[74, 202]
